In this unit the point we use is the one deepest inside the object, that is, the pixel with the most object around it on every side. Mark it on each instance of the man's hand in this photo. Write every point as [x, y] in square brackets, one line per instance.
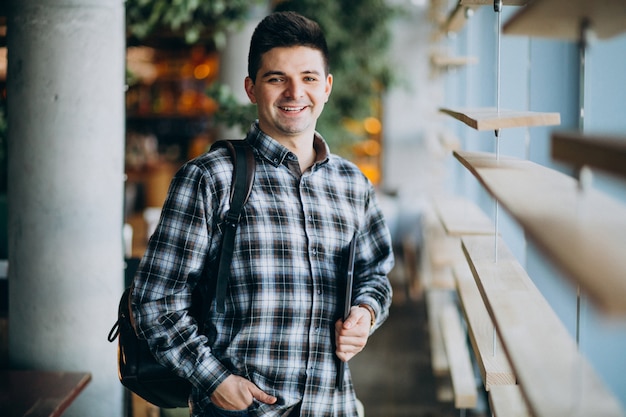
[237, 393]
[351, 335]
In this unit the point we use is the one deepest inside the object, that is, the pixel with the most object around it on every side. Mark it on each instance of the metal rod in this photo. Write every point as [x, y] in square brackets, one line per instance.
[582, 48]
[496, 231]
[498, 10]
[497, 6]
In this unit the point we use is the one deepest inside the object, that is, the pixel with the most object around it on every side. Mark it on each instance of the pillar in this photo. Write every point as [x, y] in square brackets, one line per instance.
[234, 63]
[65, 91]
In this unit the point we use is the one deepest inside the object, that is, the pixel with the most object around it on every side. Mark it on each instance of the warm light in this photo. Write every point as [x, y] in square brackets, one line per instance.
[371, 147]
[352, 126]
[202, 71]
[187, 70]
[186, 101]
[371, 171]
[3, 63]
[372, 125]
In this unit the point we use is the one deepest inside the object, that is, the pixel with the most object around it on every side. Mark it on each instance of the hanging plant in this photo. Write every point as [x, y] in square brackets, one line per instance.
[193, 20]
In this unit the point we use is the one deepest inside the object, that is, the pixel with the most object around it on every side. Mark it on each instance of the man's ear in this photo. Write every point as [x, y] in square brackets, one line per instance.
[329, 86]
[249, 86]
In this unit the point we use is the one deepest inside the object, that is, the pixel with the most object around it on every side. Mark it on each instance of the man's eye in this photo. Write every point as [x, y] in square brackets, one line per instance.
[275, 80]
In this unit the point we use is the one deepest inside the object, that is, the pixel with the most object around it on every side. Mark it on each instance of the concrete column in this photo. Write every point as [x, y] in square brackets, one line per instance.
[65, 89]
[234, 64]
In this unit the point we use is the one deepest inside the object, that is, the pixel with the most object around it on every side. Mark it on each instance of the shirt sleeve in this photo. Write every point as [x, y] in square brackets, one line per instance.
[373, 263]
[167, 275]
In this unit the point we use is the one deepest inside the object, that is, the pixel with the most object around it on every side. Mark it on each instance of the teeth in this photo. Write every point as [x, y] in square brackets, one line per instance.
[292, 108]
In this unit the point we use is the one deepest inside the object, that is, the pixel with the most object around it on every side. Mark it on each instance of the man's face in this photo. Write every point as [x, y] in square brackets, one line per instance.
[290, 91]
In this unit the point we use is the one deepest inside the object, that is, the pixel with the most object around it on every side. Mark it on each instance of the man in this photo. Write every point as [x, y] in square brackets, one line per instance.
[274, 350]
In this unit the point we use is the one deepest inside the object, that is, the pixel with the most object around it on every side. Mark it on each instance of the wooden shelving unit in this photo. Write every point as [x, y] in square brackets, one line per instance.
[490, 118]
[562, 19]
[582, 232]
[555, 379]
[603, 152]
[579, 229]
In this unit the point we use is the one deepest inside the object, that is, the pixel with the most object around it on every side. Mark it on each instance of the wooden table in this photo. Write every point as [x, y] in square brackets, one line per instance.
[38, 393]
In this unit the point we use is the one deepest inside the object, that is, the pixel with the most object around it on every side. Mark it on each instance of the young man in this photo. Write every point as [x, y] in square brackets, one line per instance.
[274, 350]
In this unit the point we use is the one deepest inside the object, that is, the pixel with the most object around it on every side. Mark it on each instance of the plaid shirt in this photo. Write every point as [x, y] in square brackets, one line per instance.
[284, 292]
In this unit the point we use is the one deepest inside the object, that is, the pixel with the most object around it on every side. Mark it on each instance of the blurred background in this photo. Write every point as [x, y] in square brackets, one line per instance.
[102, 101]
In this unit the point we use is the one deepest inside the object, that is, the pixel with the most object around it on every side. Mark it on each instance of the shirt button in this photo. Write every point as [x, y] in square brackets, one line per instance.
[319, 291]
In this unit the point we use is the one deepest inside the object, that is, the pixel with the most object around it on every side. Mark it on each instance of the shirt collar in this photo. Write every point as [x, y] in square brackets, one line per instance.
[276, 153]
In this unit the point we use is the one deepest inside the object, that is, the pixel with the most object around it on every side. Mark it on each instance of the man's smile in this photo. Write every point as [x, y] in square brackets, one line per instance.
[292, 109]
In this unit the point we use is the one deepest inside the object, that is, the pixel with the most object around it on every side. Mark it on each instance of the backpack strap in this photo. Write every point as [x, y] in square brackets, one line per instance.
[244, 167]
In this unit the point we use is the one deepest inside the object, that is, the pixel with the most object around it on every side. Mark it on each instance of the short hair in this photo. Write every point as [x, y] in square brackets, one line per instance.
[285, 29]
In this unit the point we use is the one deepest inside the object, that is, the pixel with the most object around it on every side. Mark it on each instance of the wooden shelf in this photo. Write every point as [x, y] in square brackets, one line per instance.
[554, 377]
[507, 401]
[436, 301]
[491, 119]
[494, 366]
[490, 2]
[457, 18]
[562, 19]
[460, 216]
[442, 60]
[457, 352]
[603, 152]
[581, 232]
[445, 251]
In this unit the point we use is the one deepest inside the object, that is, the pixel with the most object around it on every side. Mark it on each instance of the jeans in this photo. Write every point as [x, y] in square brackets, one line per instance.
[219, 412]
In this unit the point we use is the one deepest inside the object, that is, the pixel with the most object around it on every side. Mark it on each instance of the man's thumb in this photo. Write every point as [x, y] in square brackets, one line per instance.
[262, 396]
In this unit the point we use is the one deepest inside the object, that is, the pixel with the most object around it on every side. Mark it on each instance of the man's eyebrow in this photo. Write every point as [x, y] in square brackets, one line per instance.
[270, 73]
[281, 73]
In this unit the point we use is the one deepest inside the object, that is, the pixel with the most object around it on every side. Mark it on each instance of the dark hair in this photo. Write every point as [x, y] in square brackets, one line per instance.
[284, 29]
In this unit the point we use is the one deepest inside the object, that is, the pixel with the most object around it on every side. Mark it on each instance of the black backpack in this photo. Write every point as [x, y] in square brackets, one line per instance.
[138, 370]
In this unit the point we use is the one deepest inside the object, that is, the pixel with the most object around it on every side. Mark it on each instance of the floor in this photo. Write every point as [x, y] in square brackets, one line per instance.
[393, 375]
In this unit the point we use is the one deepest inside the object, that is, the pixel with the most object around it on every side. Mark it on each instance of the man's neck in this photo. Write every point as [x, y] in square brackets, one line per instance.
[302, 148]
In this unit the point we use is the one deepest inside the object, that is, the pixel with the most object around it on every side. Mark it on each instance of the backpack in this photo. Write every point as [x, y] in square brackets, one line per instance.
[138, 370]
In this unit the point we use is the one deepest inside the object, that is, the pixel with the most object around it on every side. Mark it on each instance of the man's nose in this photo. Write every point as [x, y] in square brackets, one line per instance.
[294, 89]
